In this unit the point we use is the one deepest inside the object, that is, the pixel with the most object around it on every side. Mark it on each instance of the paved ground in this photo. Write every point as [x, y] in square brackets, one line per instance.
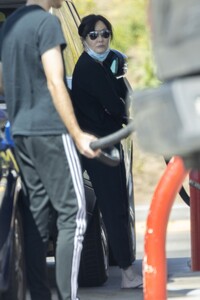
[110, 290]
[178, 230]
[182, 284]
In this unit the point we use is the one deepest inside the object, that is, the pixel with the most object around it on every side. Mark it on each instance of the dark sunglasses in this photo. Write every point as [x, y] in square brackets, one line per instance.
[105, 33]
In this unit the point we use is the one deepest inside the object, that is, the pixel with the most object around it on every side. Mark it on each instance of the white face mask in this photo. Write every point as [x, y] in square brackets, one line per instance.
[97, 56]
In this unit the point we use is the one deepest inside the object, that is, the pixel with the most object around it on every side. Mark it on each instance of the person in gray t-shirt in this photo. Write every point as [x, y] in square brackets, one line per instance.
[44, 130]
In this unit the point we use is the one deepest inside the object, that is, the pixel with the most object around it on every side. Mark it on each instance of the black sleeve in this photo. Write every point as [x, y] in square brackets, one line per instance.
[122, 87]
[102, 88]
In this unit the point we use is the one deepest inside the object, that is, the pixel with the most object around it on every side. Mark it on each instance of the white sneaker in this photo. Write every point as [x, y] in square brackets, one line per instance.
[130, 279]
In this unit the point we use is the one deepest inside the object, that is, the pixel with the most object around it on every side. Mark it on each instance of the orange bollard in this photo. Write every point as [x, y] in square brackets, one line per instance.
[194, 178]
[154, 262]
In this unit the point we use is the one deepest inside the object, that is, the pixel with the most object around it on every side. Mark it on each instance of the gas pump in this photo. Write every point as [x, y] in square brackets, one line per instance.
[167, 122]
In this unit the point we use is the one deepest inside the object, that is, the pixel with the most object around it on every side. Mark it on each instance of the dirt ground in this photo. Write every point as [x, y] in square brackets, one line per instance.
[147, 170]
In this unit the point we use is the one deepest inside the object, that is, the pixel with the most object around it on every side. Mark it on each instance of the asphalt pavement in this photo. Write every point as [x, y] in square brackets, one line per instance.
[182, 284]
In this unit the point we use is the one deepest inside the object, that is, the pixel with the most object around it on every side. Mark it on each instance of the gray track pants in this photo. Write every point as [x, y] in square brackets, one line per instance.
[52, 176]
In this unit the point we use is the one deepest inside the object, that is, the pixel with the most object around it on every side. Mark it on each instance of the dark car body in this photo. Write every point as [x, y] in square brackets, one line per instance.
[95, 257]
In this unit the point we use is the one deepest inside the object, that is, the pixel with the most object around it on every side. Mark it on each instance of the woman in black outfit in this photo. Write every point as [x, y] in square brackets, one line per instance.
[99, 102]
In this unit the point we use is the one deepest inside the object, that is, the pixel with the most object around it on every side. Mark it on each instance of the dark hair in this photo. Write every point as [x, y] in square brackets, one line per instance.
[88, 24]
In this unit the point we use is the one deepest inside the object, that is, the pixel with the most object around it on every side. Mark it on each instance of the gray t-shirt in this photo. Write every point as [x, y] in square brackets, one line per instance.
[25, 36]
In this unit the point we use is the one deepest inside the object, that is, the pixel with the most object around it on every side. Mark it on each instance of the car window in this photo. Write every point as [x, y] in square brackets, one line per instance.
[4, 13]
[11, 3]
[69, 21]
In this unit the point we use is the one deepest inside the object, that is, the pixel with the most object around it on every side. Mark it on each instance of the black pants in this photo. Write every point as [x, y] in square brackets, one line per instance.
[109, 184]
[52, 177]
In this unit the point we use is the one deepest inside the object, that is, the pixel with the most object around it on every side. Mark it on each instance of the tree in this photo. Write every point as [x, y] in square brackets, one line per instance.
[85, 7]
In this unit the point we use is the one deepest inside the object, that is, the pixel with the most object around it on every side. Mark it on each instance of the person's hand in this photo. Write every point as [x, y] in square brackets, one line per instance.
[83, 144]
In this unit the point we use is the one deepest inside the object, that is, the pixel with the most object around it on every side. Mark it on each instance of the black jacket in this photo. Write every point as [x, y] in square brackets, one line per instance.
[98, 97]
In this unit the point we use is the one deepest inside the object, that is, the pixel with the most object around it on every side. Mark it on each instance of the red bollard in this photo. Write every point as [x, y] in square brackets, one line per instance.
[194, 179]
[154, 263]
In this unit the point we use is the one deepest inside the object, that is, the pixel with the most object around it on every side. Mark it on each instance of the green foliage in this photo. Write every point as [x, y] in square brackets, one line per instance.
[143, 71]
[84, 7]
[123, 37]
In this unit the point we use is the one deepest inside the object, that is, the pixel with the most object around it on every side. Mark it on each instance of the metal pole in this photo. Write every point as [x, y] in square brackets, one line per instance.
[154, 263]
[194, 180]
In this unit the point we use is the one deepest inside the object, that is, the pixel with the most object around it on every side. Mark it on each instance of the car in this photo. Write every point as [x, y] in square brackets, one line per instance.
[96, 255]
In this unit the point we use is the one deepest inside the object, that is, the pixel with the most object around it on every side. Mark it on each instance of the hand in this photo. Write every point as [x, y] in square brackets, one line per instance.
[83, 144]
